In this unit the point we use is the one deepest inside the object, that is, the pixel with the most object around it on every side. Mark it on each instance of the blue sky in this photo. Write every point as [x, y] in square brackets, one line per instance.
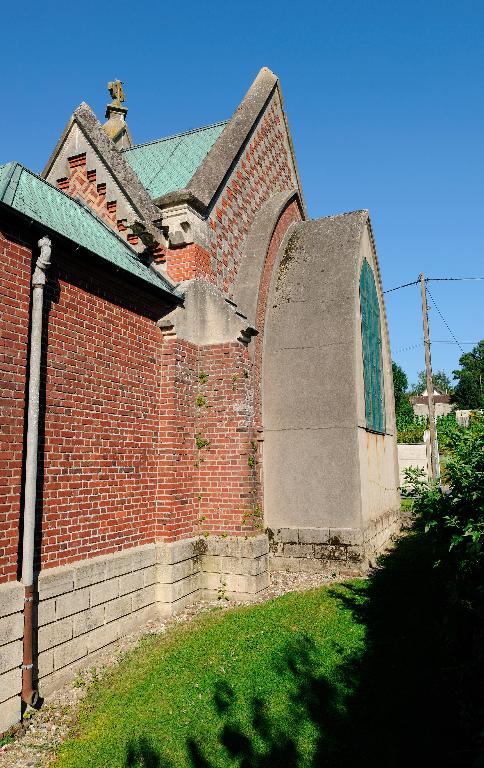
[385, 101]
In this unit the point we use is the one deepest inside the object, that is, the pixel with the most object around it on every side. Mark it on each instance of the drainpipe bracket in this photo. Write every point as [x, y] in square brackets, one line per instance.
[43, 262]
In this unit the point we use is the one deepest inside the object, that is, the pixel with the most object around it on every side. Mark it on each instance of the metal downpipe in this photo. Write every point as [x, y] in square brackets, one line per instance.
[29, 694]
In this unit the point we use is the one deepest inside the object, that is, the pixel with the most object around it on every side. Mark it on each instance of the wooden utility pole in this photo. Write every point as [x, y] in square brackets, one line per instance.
[434, 450]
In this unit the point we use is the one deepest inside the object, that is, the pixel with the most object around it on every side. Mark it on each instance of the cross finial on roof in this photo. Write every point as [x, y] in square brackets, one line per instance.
[115, 88]
[116, 127]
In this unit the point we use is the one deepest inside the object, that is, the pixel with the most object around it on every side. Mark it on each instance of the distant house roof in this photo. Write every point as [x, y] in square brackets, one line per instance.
[30, 195]
[168, 164]
[423, 399]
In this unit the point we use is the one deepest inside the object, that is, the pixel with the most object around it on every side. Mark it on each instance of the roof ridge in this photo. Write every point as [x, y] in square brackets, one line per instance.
[175, 136]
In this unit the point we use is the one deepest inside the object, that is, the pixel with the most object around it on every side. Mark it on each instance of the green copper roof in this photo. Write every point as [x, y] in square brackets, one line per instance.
[32, 196]
[168, 164]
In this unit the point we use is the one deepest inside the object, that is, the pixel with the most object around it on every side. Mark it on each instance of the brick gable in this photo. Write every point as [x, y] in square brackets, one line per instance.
[264, 169]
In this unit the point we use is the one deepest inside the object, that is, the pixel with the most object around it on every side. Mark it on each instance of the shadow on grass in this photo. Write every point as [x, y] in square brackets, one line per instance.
[414, 695]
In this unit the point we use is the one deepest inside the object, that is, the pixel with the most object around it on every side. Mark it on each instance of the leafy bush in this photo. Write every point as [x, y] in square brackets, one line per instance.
[449, 431]
[455, 520]
[410, 429]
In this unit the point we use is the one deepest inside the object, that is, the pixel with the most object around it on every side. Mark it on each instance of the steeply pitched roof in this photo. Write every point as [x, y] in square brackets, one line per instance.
[30, 195]
[169, 164]
[201, 187]
[115, 160]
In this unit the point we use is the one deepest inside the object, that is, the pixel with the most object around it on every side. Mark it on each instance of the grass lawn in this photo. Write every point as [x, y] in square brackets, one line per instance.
[170, 699]
[384, 672]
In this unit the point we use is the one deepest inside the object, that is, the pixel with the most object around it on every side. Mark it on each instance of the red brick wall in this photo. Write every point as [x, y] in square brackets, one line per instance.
[264, 169]
[101, 422]
[207, 483]
[176, 500]
[228, 464]
[187, 262]
[119, 463]
[14, 316]
[124, 407]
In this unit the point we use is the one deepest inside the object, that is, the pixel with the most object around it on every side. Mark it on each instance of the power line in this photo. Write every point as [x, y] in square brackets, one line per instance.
[437, 279]
[436, 341]
[405, 285]
[405, 349]
[444, 320]
[433, 279]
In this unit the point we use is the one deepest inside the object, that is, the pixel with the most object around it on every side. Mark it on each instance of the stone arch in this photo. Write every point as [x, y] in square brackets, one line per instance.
[254, 253]
[251, 289]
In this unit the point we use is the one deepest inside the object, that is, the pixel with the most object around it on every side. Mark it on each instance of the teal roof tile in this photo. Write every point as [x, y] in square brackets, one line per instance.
[36, 198]
[168, 164]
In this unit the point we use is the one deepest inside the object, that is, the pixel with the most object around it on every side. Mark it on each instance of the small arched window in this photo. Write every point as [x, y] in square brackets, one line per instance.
[372, 353]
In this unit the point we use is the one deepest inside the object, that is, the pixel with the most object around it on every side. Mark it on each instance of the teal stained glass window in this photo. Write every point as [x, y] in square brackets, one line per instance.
[372, 353]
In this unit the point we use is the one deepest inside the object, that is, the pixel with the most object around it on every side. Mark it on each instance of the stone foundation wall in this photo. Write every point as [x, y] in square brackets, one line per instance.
[235, 567]
[11, 630]
[333, 550]
[84, 607]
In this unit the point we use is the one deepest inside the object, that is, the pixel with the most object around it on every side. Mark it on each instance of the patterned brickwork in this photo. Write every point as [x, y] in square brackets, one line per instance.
[81, 183]
[264, 169]
[187, 262]
[14, 318]
[290, 215]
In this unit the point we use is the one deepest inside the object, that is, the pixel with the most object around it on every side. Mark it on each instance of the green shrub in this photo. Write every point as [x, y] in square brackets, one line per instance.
[455, 520]
[410, 429]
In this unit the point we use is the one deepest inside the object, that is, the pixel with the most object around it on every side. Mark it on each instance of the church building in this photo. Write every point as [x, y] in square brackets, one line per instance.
[196, 383]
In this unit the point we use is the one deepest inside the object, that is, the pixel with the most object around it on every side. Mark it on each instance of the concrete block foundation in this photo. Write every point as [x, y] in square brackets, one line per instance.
[331, 550]
[11, 627]
[84, 607]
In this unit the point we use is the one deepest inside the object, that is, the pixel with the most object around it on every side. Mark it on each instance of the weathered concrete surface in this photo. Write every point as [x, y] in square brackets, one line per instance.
[378, 458]
[319, 471]
[345, 551]
[254, 252]
[206, 317]
[413, 455]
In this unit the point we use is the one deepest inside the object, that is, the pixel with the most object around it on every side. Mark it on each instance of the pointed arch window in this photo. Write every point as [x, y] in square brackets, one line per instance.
[372, 351]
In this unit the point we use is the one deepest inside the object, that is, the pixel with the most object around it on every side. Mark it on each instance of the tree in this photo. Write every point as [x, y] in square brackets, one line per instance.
[403, 409]
[441, 381]
[469, 390]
